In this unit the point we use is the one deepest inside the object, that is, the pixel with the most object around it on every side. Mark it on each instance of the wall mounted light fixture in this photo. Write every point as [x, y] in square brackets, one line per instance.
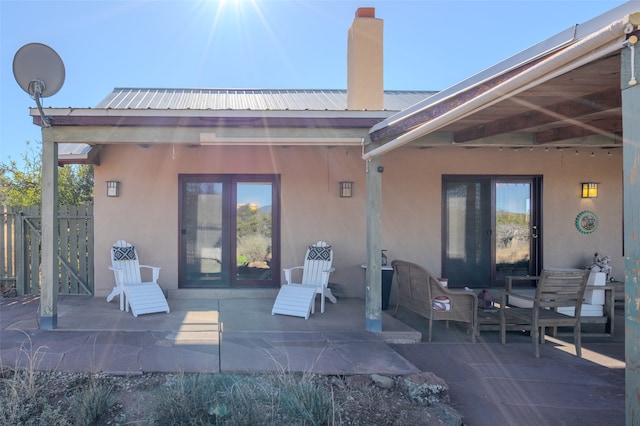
[113, 188]
[589, 190]
[346, 189]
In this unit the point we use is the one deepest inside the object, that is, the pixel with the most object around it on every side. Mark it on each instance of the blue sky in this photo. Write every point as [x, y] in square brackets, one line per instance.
[282, 44]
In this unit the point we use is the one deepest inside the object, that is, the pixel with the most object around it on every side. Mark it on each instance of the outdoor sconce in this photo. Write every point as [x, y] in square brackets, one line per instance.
[346, 189]
[589, 190]
[113, 188]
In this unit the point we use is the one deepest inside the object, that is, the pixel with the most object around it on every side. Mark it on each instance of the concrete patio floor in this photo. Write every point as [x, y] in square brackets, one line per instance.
[490, 383]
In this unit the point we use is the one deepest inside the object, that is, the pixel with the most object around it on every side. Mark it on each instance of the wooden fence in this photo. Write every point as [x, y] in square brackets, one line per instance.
[20, 249]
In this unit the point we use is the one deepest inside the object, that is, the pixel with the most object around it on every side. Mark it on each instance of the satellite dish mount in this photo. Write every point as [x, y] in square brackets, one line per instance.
[39, 71]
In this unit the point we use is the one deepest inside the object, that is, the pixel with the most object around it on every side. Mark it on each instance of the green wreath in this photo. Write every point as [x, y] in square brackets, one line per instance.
[586, 222]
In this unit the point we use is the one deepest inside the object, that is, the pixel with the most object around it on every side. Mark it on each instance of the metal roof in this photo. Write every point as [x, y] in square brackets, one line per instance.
[131, 106]
[77, 153]
[249, 99]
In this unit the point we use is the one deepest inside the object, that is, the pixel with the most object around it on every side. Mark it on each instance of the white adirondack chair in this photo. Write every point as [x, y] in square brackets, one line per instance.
[296, 298]
[140, 297]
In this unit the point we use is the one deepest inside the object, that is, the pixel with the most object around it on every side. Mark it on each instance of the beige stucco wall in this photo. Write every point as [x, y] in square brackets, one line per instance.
[412, 199]
[146, 213]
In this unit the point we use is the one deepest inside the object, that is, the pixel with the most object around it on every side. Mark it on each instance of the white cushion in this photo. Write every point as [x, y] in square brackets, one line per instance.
[441, 303]
[595, 297]
[592, 297]
[587, 310]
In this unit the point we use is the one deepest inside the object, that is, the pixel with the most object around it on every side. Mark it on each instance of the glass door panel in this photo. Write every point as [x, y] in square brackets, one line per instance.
[467, 233]
[202, 239]
[253, 231]
[513, 229]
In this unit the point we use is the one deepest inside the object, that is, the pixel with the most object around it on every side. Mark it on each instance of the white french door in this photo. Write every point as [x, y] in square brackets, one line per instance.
[229, 231]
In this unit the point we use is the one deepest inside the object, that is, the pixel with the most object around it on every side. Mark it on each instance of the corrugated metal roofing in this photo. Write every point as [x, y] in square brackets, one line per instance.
[74, 149]
[249, 99]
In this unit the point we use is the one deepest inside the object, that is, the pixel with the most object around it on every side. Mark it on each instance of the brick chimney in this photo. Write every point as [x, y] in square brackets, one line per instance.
[365, 86]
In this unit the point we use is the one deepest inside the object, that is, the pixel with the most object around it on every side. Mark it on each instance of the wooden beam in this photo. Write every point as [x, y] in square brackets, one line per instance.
[49, 224]
[446, 105]
[97, 135]
[631, 185]
[611, 127]
[373, 286]
[538, 116]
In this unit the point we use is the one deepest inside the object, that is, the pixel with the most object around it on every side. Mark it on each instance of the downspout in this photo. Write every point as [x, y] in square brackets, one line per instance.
[607, 40]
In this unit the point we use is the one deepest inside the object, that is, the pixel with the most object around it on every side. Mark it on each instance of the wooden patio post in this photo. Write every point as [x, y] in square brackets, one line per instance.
[373, 293]
[631, 184]
[49, 212]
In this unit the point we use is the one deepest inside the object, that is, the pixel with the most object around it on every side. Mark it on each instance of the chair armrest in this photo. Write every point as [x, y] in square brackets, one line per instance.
[456, 294]
[509, 280]
[325, 276]
[155, 272]
[446, 291]
[287, 273]
[118, 275]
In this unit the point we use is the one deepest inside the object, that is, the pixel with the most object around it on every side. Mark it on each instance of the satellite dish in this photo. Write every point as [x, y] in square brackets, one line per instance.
[39, 71]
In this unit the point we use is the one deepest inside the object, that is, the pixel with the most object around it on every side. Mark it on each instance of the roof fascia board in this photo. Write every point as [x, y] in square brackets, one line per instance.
[204, 118]
[150, 135]
[109, 112]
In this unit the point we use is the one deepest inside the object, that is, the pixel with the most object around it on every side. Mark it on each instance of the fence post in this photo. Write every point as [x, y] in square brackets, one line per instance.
[20, 253]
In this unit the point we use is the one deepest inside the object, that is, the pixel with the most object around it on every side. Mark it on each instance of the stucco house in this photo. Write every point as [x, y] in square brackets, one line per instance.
[225, 187]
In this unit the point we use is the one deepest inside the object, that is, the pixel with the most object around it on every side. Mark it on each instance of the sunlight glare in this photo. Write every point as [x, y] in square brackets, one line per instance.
[587, 354]
[198, 327]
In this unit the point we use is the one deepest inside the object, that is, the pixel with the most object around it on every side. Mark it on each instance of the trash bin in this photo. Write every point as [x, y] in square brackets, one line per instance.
[387, 280]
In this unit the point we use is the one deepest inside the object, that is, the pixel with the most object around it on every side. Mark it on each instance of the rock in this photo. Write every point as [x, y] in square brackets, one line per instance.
[383, 382]
[426, 387]
[448, 415]
[358, 382]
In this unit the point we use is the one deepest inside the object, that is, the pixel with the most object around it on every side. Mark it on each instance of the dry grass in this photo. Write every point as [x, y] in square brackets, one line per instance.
[29, 396]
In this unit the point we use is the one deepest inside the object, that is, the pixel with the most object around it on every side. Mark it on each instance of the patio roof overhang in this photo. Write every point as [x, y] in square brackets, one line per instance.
[82, 131]
[562, 92]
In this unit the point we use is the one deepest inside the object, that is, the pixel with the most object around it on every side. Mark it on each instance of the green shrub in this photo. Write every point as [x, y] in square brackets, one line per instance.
[306, 402]
[91, 402]
[221, 399]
